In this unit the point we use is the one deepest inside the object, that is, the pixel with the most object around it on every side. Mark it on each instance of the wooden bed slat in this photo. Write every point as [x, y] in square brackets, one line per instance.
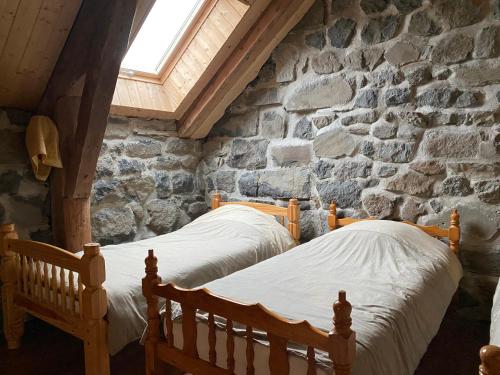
[169, 323]
[250, 351]
[311, 361]
[230, 345]
[212, 354]
[278, 355]
[189, 331]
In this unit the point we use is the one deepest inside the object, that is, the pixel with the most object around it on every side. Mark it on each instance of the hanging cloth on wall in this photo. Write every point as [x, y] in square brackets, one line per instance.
[42, 142]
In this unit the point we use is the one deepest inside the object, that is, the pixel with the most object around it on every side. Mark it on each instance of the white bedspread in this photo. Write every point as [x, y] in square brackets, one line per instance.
[399, 280]
[495, 318]
[214, 245]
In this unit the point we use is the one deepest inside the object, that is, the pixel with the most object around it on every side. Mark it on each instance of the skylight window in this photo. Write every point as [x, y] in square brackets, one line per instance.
[159, 34]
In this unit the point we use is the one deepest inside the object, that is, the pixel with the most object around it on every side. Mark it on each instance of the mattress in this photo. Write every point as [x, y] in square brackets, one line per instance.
[399, 280]
[495, 318]
[216, 244]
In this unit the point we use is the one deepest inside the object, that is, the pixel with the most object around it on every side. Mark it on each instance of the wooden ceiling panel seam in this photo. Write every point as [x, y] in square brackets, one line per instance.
[7, 17]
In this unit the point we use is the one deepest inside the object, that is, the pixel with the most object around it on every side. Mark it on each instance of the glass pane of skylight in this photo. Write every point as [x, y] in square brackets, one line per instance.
[159, 33]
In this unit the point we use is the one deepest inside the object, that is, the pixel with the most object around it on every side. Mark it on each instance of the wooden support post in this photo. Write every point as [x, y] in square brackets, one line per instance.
[332, 216]
[454, 231]
[294, 219]
[78, 97]
[216, 199]
[490, 360]
[151, 279]
[342, 338]
[13, 317]
[95, 307]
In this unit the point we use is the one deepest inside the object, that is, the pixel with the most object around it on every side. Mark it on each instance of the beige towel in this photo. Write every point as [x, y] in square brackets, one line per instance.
[42, 142]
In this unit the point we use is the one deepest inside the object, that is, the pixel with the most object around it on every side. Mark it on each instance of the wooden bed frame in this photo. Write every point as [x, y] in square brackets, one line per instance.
[66, 291]
[340, 343]
[490, 360]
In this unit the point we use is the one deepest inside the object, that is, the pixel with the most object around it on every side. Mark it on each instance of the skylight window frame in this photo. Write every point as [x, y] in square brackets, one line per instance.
[178, 47]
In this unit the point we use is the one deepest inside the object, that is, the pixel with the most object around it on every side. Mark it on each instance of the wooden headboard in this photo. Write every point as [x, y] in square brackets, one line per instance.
[292, 212]
[452, 232]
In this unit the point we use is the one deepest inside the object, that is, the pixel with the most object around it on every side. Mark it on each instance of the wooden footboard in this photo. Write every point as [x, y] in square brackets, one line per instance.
[340, 344]
[490, 360]
[58, 287]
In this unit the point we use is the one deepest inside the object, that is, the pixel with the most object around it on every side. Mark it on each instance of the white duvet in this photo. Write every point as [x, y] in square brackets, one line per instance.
[214, 245]
[495, 318]
[399, 280]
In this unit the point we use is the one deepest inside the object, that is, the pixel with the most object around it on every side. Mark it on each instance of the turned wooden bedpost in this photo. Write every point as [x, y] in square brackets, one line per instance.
[490, 360]
[216, 199]
[294, 218]
[342, 338]
[454, 231]
[13, 317]
[153, 331]
[94, 307]
[332, 216]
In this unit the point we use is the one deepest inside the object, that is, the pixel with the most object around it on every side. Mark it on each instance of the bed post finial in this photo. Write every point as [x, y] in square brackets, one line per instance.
[13, 317]
[454, 231]
[294, 219]
[342, 338]
[153, 331]
[490, 360]
[332, 216]
[216, 199]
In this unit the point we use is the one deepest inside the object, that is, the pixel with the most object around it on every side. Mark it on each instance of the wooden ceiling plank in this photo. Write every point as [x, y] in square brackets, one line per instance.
[242, 66]
[8, 12]
[229, 14]
[239, 7]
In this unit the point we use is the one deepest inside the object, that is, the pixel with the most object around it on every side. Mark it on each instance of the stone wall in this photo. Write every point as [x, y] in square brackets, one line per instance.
[23, 200]
[392, 111]
[144, 184]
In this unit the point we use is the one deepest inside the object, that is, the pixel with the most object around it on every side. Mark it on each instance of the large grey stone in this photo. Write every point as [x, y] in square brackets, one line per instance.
[469, 99]
[380, 29]
[477, 73]
[397, 96]
[367, 98]
[9, 182]
[341, 33]
[474, 170]
[144, 148]
[373, 57]
[411, 183]
[334, 143]
[272, 125]
[452, 49]
[310, 226]
[407, 6]
[457, 186]
[346, 194]
[316, 93]
[130, 166]
[248, 154]
[237, 126]
[450, 143]
[323, 169]
[354, 60]
[180, 146]
[386, 171]
[384, 130]
[487, 42]
[304, 129]
[320, 122]
[417, 74]
[442, 97]
[354, 117]
[359, 129]
[424, 24]
[402, 53]
[167, 162]
[428, 167]
[288, 183]
[316, 40]
[488, 190]
[292, 155]
[326, 63]
[107, 191]
[113, 225]
[182, 183]
[386, 77]
[163, 185]
[411, 209]
[347, 169]
[374, 6]
[458, 13]
[164, 216]
[222, 180]
[263, 96]
[378, 205]
[286, 57]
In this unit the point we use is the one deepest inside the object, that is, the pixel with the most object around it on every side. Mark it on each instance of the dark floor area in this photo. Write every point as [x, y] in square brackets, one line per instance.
[47, 350]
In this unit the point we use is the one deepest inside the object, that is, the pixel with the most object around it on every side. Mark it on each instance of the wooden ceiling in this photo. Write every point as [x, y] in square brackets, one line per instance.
[209, 70]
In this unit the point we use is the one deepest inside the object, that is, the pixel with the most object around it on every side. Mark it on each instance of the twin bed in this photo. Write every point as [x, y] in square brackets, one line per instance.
[96, 296]
[276, 316]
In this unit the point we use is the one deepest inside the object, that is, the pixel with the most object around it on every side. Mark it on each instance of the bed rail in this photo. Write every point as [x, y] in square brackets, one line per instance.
[490, 360]
[291, 213]
[58, 287]
[340, 343]
[452, 232]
